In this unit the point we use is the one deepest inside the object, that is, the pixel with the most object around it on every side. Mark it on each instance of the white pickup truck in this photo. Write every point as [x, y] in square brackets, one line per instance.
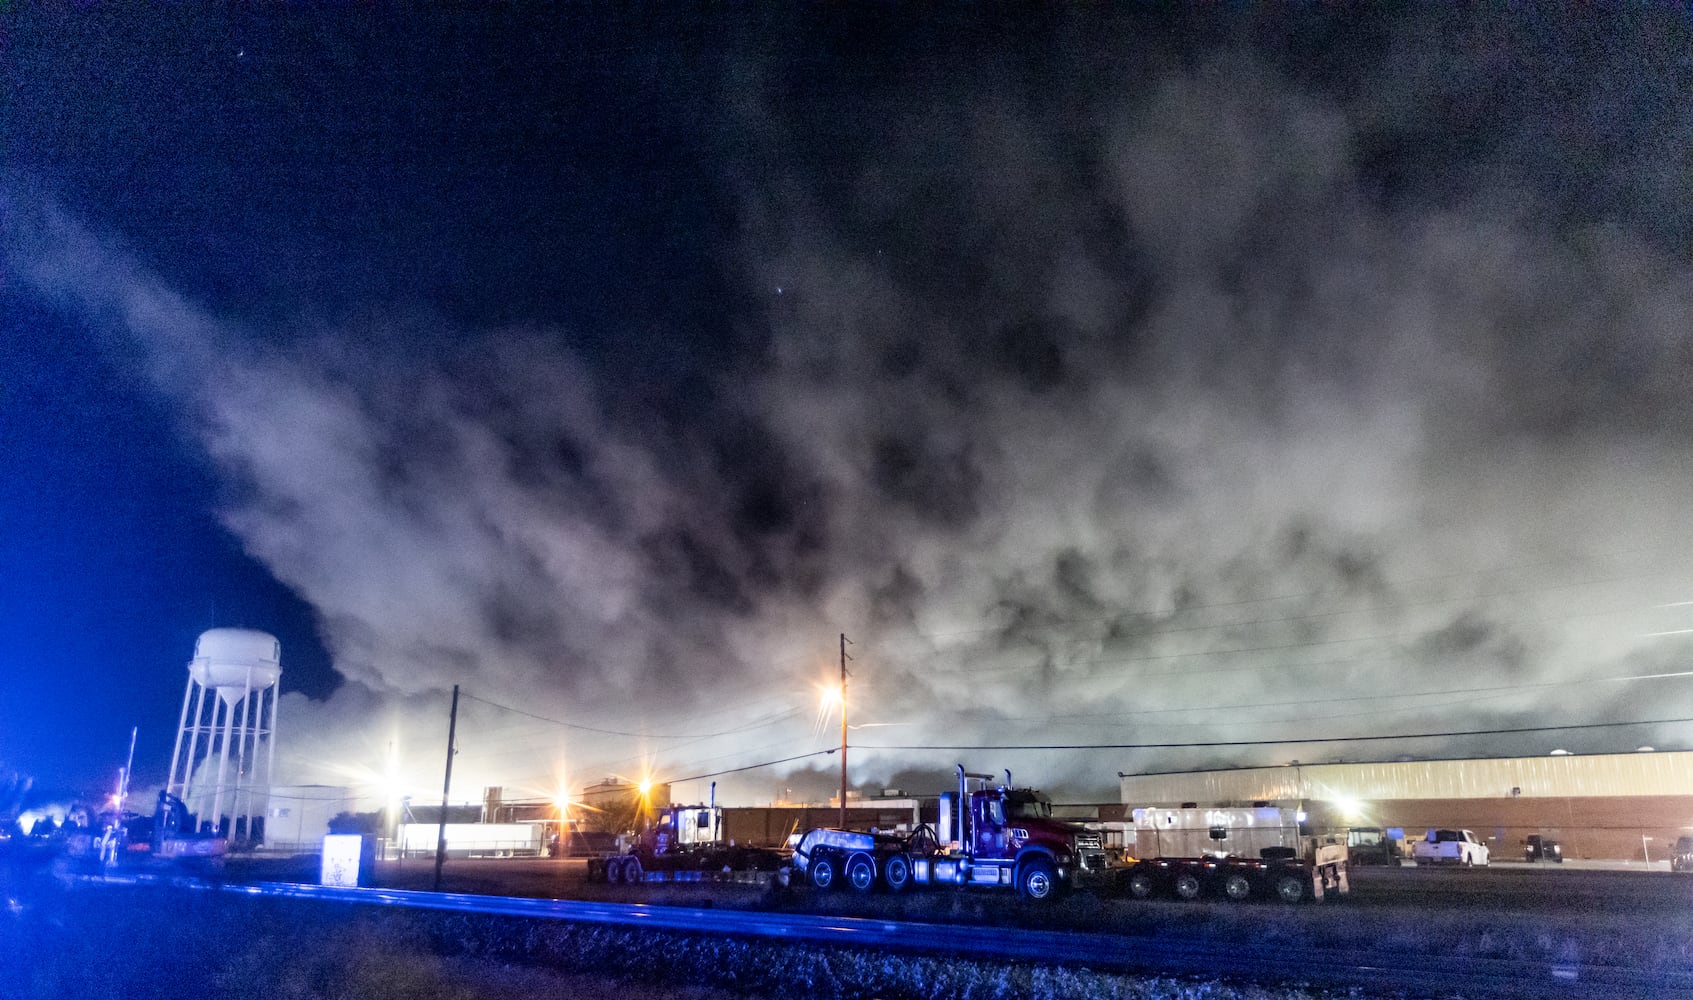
[1451, 847]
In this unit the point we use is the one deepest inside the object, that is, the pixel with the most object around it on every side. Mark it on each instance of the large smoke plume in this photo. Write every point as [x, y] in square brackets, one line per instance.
[1206, 399]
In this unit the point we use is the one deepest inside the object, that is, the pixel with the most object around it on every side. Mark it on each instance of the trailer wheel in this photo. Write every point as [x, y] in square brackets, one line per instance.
[1290, 888]
[1237, 887]
[1187, 886]
[896, 872]
[632, 870]
[861, 873]
[822, 872]
[1141, 885]
[1039, 880]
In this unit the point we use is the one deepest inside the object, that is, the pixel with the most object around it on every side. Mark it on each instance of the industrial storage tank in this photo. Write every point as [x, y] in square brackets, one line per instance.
[218, 761]
[236, 660]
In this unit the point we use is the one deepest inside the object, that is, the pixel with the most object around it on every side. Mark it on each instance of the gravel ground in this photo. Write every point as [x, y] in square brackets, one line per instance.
[104, 942]
[99, 942]
[1641, 920]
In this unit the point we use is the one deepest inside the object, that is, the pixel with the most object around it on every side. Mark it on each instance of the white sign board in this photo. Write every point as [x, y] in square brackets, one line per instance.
[341, 859]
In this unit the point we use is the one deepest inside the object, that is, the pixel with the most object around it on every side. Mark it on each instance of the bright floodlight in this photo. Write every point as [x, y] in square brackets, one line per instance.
[1349, 807]
[645, 786]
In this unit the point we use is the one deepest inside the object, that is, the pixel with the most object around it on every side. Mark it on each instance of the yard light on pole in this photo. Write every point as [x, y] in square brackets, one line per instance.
[845, 642]
[563, 803]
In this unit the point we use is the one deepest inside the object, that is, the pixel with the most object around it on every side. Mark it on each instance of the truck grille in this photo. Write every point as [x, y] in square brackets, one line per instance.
[1089, 841]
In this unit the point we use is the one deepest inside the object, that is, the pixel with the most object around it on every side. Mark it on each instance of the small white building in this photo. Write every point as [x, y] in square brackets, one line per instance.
[297, 816]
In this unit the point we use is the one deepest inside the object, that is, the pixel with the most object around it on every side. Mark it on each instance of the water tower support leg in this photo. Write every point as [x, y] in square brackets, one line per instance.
[176, 751]
[197, 720]
[223, 763]
[240, 794]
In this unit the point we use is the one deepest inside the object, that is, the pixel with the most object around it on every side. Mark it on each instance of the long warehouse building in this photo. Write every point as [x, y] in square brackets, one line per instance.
[1624, 806]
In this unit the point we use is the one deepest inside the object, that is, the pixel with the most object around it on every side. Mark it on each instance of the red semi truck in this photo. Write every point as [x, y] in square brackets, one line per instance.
[1004, 837]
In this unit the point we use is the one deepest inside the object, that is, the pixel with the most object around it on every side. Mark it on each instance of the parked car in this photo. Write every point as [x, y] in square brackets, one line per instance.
[1454, 847]
[1681, 859]
[1371, 845]
[1542, 848]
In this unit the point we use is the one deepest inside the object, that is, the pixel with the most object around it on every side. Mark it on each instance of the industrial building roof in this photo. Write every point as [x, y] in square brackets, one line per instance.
[1622, 774]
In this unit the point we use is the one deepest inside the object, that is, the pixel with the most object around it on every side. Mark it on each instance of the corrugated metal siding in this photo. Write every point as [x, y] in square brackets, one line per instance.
[1597, 775]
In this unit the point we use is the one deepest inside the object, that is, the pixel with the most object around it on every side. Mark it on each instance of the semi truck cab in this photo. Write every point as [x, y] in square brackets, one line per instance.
[1008, 837]
[998, 836]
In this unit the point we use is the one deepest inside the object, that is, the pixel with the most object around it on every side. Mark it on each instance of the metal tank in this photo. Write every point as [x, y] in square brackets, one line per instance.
[217, 759]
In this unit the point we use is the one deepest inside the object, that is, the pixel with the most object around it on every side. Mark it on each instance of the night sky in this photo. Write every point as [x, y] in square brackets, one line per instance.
[1108, 377]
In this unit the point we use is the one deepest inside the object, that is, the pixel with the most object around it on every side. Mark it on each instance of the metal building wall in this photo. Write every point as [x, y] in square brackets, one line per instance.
[1593, 775]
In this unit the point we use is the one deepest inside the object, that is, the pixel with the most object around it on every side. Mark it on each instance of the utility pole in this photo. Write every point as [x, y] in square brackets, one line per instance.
[845, 642]
[446, 786]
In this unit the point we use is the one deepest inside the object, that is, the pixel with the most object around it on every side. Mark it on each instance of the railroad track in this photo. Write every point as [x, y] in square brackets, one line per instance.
[1421, 975]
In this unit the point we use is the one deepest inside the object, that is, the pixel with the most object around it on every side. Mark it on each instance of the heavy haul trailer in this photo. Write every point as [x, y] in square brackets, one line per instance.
[1233, 853]
[1006, 838]
[685, 844]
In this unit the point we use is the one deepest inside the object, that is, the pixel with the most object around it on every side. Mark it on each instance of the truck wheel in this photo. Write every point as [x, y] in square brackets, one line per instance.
[1141, 885]
[861, 873]
[896, 872]
[1039, 880]
[1187, 885]
[1290, 888]
[1237, 887]
[822, 873]
[614, 870]
[632, 870]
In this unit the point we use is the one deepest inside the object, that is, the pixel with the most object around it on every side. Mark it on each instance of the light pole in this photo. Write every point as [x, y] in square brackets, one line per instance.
[563, 824]
[844, 658]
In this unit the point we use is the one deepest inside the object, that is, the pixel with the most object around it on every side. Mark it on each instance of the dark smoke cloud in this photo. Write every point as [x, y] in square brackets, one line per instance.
[1116, 410]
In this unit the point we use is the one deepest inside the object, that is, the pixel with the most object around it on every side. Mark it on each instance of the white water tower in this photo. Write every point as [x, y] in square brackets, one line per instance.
[216, 760]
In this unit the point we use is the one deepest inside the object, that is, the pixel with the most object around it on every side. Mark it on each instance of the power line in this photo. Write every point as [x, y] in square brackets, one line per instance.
[1259, 743]
[620, 732]
[753, 767]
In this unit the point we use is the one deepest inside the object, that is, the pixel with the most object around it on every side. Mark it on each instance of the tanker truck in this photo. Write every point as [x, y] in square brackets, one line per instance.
[1000, 836]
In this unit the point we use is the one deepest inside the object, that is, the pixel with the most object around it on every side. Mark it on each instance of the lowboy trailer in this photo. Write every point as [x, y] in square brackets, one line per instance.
[685, 844]
[1233, 853]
